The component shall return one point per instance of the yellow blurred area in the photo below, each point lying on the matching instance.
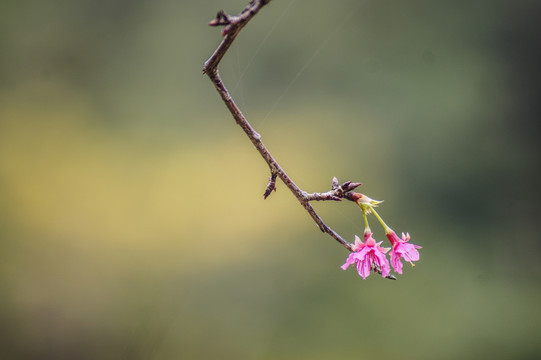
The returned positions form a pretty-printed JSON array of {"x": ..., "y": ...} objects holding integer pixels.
[
  {"x": 67, "y": 178},
  {"x": 73, "y": 187}
]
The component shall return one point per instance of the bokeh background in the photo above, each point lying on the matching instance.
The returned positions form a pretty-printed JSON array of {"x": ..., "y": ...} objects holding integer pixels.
[{"x": 132, "y": 222}]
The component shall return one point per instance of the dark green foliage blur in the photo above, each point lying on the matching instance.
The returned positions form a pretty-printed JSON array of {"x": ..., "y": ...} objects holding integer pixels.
[{"x": 132, "y": 221}]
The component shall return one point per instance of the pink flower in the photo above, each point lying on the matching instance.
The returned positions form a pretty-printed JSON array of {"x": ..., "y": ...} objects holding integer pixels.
[
  {"x": 402, "y": 249},
  {"x": 367, "y": 255}
]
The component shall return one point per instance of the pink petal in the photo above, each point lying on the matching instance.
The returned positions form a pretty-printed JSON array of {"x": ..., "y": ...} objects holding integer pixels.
[
  {"x": 350, "y": 260},
  {"x": 382, "y": 262},
  {"x": 362, "y": 253},
  {"x": 395, "y": 262},
  {"x": 408, "y": 252},
  {"x": 364, "y": 267}
]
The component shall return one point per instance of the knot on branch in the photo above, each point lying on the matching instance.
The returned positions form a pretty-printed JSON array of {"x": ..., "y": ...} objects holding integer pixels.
[
  {"x": 222, "y": 19},
  {"x": 237, "y": 22}
]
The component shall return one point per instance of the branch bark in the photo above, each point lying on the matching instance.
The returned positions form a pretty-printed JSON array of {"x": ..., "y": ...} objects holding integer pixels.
[{"x": 232, "y": 26}]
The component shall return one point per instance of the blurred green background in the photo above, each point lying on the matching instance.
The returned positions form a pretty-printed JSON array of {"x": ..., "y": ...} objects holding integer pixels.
[{"x": 132, "y": 222}]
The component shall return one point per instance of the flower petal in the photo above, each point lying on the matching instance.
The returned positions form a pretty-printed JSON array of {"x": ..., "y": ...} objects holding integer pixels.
[
  {"x": 395, "y": 262},
  {"x": 350, "y": 260}
]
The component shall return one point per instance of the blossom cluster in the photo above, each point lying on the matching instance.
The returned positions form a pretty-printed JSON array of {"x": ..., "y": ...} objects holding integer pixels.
[{"x": 370, "y": 255}]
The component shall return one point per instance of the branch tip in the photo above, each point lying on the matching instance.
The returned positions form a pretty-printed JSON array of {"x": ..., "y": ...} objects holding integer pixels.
[
  {"x": 221, "y": 19},
  {"x": 349, "y": 186},
  {"x": 334, "y": 183}
]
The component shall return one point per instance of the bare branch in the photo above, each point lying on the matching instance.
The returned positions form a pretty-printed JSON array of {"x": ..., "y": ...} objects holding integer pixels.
[{"x": 232, "y": 26}]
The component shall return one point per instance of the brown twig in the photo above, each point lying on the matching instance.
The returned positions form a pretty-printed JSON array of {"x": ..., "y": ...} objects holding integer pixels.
[{"x": 232, "y": 26}]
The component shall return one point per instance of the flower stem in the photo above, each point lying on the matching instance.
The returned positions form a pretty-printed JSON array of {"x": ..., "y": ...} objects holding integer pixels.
[
  {"x": 366, "y": 226},
  {"x": 387, "y": 228}
]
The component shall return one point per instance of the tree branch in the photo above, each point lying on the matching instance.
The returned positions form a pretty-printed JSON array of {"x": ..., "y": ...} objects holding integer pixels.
[{"x": 232, "y": 26}]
